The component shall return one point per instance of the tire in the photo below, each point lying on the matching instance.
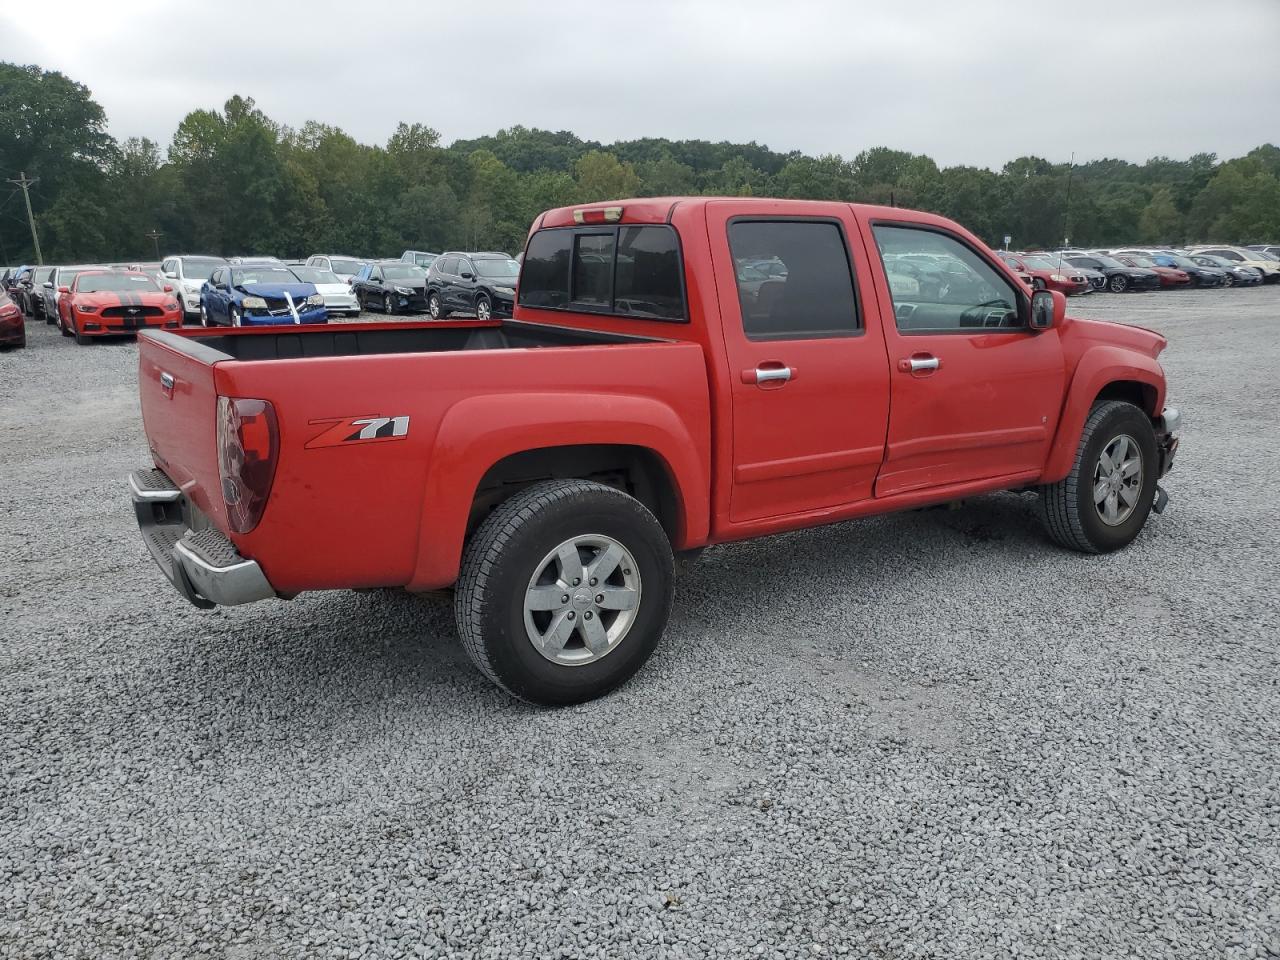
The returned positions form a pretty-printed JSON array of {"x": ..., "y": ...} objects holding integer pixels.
[
  {"x": 1229, "y": 281},
  {"x": 484, "y": 309},
  {"x": 387, "y": 306},
  {"x": 1069, "y": 509},
  {"x": 82, "y": 340},
  {"x": 233, "y": 315},
  {"x": 47, "y": 319},
  {"x": 433, "y": 306},
  {"x": 517, "y": 545},
  {"x": 62, "y": 327},
  {"x": 1118, "y": 284}
]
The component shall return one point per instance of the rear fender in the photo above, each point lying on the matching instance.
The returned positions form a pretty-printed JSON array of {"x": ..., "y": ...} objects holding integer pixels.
[
  {"x": 478, "y": 432},
  {"x": 1098, "y": 368}
]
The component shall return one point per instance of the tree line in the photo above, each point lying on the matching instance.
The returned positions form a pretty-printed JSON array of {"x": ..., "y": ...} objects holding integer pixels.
[{"x": 233, "y": 181}]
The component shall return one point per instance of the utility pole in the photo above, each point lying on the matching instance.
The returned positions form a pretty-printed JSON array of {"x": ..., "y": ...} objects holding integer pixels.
[
  {"x": 155, "y": 236},
  {"x": 25, "y": 184}
]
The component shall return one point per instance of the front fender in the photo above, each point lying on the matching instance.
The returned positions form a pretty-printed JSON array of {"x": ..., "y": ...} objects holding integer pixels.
[
  {"x": 477, "y": 432},
  {"x": 1098, "y": 367}
]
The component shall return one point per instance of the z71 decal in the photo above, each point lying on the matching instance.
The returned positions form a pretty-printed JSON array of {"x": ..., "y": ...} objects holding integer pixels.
[{"x": 359, "y": 430}]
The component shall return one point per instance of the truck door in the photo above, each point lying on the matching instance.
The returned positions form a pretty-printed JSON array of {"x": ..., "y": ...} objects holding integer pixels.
[
  {"x": 808, "y": 377},
  {"x": 976, "y": 394}
]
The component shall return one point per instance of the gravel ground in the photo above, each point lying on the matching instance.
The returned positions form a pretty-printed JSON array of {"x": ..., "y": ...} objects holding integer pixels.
[{"x": 926, "y": 735}]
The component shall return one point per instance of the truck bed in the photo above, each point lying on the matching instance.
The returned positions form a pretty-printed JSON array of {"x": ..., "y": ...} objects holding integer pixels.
[{"x": 351, "y": 340}]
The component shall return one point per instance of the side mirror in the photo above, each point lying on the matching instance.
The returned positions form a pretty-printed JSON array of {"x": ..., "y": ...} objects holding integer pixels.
[
  {"x": 1048, "y": 309},
  {"x": 170, "y": 275},
  {"x": 60, "y": 289},
  {"x": 48, "y": 284},
  {"x": 467, "y": 276},
  {"x": 168, "y": 288}
]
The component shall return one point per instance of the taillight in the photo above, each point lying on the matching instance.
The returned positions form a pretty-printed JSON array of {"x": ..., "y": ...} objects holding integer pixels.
[{"x": 248, "y": 445}]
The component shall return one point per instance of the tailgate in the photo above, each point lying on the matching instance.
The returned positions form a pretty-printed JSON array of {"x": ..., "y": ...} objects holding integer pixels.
[{"x": 179, "y": 414}]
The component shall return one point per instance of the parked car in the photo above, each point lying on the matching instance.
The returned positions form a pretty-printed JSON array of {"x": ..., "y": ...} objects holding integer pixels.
[
  {"x": 1046, "y": 275},
  {"x": 188, "y": 274},
  {"x": 660, "y": 412},
  {"x": 1269, "y": 268},
  {"x": 1201, "y": 276},
  {"x": 61, "y": 277},
  {"x": 391, "y": 286},
  {"x": 1120, "y": 277},
  {"x": 1237, "y": 274},
  {"x": 336, "y": 291},
  {"x": 481, "y": 284},
  {"x": 345, "y": 267},
  {"x": 18, "y": 283},
  {"x": 13, "y": 323},
  {"x": 1271, "y": 250},
  {"x": 259, "y": 293},
  {"x": 1169, "y": 276},
  {"x": 112, "y": 303},
  {"x": 32, "y": 302},
  {"x": 422, "y": 258}
]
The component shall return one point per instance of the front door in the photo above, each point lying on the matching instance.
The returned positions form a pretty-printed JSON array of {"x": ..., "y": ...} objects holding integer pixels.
[
  {"x": 807, "y": 371},
  {"x": 976, "y": 394}
]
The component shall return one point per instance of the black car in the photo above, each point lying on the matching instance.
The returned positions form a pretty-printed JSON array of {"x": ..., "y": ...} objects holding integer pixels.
[
  {"x": 482, "y": 284},
  {"x": 1201, "y": 276},
  {"x": 391, "y": 287},
  {"x": 1119, "y": 277},
  {"x": 33, "y": 298}
]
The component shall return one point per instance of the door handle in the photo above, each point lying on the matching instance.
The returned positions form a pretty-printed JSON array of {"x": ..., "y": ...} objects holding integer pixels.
[
  {"x": 166, "y": 382},
  {"x": 918, "y": 364},
  {"x": 778, "y": 374}
]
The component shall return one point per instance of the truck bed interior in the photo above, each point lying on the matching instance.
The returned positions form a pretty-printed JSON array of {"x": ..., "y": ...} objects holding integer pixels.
[{"x": 351, "y": 340}]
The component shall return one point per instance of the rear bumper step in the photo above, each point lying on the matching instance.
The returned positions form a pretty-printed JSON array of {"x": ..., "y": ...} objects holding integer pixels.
[{"x": 203, "y": 565}]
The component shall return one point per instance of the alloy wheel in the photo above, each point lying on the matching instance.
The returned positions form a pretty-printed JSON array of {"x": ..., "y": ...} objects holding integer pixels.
[
  {"x": 582, "y": 600},
  {"x": 483, "y": 312},
  {"x": 1117, "y": 480}
]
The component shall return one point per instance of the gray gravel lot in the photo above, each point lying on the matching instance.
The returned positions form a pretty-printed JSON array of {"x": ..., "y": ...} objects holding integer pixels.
[{"x": 926, "y": 735}]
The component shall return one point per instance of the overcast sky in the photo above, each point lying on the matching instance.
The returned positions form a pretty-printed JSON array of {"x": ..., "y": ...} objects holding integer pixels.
[{"x": 965, "y": 81}]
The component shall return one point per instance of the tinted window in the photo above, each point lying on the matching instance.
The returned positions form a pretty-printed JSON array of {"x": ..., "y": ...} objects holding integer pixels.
[
  {"x": 809, "y": 290},
  {"x": 464, "y": 266},
  {"x": 592, "y": 268},
  {"x": 449, "y": 265},
  {"x": 958, "y": 290},
  {"x": 647, "y": 281},
  {"x": 544, "y": 281}
]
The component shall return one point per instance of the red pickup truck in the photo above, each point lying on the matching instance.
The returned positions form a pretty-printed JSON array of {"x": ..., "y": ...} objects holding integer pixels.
[{"x": 679, "y": 372}]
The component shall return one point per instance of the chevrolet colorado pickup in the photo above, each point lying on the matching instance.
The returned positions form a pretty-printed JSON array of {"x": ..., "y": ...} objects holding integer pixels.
[{"x": 678, "y": 373}]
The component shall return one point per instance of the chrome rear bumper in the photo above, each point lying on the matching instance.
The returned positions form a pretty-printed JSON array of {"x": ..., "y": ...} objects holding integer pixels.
[{"x": 202, "y": 565}]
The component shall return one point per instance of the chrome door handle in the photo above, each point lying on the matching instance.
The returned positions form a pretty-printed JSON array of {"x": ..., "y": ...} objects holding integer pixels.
[
  {"x": 916, "y": 364},
  {"x": 766, "y": 374},
  {"x": 166, "y": 382}
]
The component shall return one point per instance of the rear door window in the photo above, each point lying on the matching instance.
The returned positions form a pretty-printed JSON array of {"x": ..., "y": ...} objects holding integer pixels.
[
  {"x": 593, "y": 269},
  {"x": 795, "y": 281}
]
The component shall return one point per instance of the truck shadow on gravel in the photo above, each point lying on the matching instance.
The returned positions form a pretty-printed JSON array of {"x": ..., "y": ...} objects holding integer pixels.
[{"x": 362, "y": 646}]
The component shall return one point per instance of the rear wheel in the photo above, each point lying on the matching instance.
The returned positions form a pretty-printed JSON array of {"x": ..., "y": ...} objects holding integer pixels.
[
  {"x": 1119, "y": 283},
  {"x": 1102, "y": 504},
  {"x": 564, "y": 592}
]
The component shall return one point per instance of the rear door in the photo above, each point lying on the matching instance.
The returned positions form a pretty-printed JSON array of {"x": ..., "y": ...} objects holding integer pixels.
[
  {"x": 809, "y": 380},
  {"x": 976, "y": 394}
]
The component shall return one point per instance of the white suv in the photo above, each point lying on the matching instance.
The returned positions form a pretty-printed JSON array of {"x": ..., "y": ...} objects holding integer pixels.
[
  {"x": 189, "y": 274},
  {"x": 344, "y": 266}
]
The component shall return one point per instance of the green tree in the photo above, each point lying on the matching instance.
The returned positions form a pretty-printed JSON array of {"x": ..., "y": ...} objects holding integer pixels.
[{"x": 601, "y": 176}]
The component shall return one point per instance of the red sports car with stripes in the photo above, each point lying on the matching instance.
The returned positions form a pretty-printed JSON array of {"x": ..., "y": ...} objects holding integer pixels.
[{"x": 112, "y": 303}]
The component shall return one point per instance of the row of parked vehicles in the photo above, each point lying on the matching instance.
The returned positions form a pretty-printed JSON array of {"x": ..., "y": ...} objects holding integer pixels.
[
  {"x": 1118, "y": 270},
  {"x": 252, "y": 291}
]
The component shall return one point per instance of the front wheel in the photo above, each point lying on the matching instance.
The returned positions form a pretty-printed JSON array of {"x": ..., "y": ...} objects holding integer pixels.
[
  {"x": 45, "y": 313},
  {"x": 483, "y": 310},
  {"x": 1228, "y": 281},
  {"x": 233, "y": 315},
  {"x": 564, "y": 591},
  {"x": 388, "y": 306},
  {"x": 1104, "y": 501},
  {"x": 433, "y": 306},
  {"x": 1119, "y": 283},
  {"x": 204, "y": 315}
]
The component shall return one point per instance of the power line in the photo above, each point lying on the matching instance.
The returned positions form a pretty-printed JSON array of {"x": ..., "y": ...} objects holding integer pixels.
[{"x": 25, "y": 185}]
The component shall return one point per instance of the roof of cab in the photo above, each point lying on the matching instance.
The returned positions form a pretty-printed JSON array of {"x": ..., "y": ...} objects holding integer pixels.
[{"x": 661, "y": 209}]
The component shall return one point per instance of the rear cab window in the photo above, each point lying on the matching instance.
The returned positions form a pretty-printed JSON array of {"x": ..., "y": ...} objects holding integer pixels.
[{"x": 625, "y": 270}]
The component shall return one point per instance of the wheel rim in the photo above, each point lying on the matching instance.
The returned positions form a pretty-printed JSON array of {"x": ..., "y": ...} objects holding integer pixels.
[
  {"x": 204, "y": 316},
  {"x": 235, "y": 317},
  {"x": 1117, "y": 480},
  {"x": 582, "y": 600},
  {"x": 1117, "y": 284},
  {"x": 386, "y": 303},
  {"x": 482, "y": 309},
  {"x": 433, "y": 305}
]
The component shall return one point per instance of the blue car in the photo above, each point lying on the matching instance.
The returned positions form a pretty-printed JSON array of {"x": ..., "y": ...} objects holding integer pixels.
[{"x": 255, "y": 294}]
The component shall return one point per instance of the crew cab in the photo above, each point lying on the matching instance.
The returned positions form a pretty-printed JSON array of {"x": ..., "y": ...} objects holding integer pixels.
[{"x": 643, "y": 403}]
